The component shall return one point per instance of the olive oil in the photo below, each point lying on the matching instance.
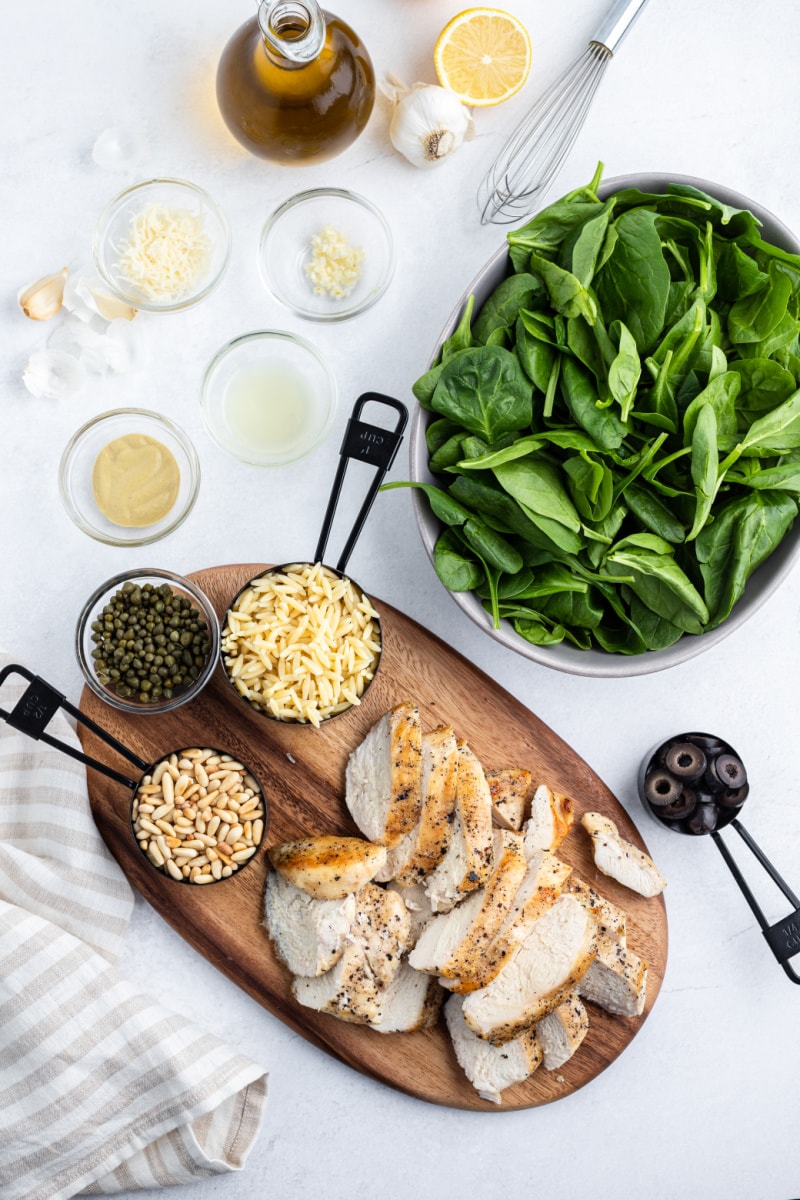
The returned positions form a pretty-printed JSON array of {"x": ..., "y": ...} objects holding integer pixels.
[{"x": 295, "y": 84}]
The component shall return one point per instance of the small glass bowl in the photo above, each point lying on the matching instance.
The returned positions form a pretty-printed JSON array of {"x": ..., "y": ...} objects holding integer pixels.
[
  {"x": 285, "y": 250},
  {"x": 268, "y": 398},
  {"x": 92, "y": 610},
  {"x": 114, "y": 227},
  {"x": 77, "y": 465}
]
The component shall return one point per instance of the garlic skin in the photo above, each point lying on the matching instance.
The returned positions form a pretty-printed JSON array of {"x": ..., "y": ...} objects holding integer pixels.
[
  {"x": 42, "y": 300},
  {"x": 428, "y": 122},
  {"x": 53, "y": 374}
]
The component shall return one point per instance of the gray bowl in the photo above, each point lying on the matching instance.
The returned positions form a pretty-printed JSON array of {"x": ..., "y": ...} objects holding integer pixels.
[{"x": 565, "y": 657}]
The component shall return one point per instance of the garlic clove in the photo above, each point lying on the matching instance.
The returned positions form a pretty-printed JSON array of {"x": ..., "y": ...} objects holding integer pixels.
[
  {"x": 86, "y": 297},
  {"x": 111, "y": 308},
  {"x": 41, "y": 300},
  {"x": 53, "y": 374}
]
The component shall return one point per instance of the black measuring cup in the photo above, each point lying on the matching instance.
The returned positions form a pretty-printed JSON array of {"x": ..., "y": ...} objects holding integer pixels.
[
  {"x": 696, "y": 784},
  {"x": 33, "y": 712},
  {"x": 377, "y": 447}
]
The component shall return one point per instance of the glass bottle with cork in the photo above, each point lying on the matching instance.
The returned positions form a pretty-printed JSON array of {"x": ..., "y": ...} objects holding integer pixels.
[{"x": 295, "y": 84}]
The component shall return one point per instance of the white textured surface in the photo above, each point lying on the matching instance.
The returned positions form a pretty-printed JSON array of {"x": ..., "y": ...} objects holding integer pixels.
[{"x": 703, "y": 1102}]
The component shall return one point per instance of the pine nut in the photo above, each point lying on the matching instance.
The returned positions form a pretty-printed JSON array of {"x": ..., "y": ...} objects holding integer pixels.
[{"x": 198, "y": 817}]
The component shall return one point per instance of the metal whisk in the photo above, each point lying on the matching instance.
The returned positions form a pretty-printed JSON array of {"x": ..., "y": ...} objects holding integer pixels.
[{"x": 534, "y": 153}]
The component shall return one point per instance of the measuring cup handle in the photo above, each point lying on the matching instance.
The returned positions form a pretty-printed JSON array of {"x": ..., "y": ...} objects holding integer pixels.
[
  {"x": 783, "y": 937},
  {"x": 372, "y": 444},
  {"x": 39, "y": 703}
]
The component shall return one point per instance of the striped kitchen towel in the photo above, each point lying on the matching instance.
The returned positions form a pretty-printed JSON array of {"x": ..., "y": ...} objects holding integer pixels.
[{"x": 102, "y": 1088}]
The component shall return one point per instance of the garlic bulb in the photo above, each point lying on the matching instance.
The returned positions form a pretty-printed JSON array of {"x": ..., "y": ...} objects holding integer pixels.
[
  {"x": 428, "y": 121},
  {"x": 42, "y": 299}
]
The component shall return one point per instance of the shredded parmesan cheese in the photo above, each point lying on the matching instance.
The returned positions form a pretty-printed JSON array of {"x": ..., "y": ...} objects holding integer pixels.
[
  {"x": 301, "y": 644},
  {"x": 334, "y": 268},
  {"x": 167, "y": 252}
]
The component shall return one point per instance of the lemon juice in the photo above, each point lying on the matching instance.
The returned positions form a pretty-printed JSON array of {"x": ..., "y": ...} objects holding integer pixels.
[{"x": 270, "y": 408}]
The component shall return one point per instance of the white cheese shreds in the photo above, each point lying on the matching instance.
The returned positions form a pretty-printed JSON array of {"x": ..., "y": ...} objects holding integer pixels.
[
  {"x": 334, "y": 268},
  {"x": 167, "y": 253},
  {"x": 301, "y": 644}
]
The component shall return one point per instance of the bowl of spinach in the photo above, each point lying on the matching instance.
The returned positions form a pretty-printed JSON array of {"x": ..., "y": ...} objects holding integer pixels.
[{"x": 606, "y": 454}]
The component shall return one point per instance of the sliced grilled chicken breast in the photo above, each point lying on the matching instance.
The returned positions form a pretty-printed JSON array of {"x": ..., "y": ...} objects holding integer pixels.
[
  {"x": 619, "y": 859},
  {"x": 453, "y": 944},
  {"x": 610, "y": 920},
  {"x": 328, "y": 867},
  {"x": 348, "y": 991},
  {"x": 411, "y": 1001},
  {"x": 419, "y": 852},
  {"x": 468, "y": 862},
  {"x": 550, "y": 821},
  {"x": 511, "y": 796},
  {"x": 353, "y": 989},
  {"x": 381, "y": 925},
  {"x": 491, "y": 1069},
  {"x": 309, "y": 935},
  {"x": 539, "y": 890},
  {"x": 616, "y": 980},
  {"x": 553, "y": 958},
  {"x": 418, "y": 906},
  {"x": 562, "y": 1031},
  {"x": 383, "y": 778}
]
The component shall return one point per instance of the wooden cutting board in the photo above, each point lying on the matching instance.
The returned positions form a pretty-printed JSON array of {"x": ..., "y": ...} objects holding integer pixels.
[{"x": 302, "y": 771}]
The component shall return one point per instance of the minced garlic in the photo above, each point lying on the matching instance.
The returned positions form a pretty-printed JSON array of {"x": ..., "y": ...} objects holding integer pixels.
[
  {"x": 167, "y": 252},
  {"x": 334, "y": 268}
]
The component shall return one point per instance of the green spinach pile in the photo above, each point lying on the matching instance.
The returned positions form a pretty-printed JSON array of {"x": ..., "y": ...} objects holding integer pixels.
[{"x": 617, "y": 431}]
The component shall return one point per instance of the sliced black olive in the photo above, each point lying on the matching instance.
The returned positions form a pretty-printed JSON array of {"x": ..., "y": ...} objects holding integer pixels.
[
  {"x": 661, "y": 788},
  {"x": 707, "y": 742},
  {"x": 703, "y": 819},
  {"x": 730, "y": 770},
  {"x": 734, "y": 797},
  {"x": 683, "y": 806},
  {"x": 686, "y": 761}
]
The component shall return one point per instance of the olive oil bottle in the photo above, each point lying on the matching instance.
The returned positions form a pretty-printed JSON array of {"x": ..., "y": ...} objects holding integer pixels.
[{"x": 295, "y": 84}]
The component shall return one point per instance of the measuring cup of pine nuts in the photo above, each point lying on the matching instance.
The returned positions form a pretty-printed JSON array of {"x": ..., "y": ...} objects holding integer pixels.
[
  {"x": 302, "y": 642},
  {"x": 198, "y": 815}
]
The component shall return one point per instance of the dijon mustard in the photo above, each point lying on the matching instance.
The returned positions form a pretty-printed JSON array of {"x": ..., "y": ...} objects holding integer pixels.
[{"x": 135, "y": 480}]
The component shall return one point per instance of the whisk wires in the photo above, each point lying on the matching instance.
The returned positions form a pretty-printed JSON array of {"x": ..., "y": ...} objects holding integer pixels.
[{"x": 536, "y": 149}]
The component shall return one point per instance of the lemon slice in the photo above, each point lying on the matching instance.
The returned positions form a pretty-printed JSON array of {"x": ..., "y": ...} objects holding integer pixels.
[{"x": 483, "y": 55}]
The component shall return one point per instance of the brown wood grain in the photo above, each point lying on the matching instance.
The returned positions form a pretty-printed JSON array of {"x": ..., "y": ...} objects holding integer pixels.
[{"x": 302, "y": 772}]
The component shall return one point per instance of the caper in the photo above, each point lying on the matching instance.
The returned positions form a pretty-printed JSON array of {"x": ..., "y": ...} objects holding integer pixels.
[{"x": 134, "y": 634}]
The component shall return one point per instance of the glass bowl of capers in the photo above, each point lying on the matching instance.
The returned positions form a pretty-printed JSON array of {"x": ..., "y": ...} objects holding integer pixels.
[{"x": 147, "y": 641}]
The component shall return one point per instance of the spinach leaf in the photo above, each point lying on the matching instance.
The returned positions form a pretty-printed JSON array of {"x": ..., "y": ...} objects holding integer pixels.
[
  {"x": 457, "y": 570},
  {"x": 777, "y": 432},
  {"x": 503, "y": 306},
  {"x": 537, "y": 485},
  {"x": 567, "y": 294},
  {"x": 633, "y": 286},
  {"x": 705, "y": 467},
  {"x": 625, "y": 370},
  {"x": 741, "y": 537},
  {"x": 591, "y": 486},
  {"x": 534, "y": 353},
  {"x": 753, "y": 317},
  {"x": 764, "y": 385},
  {"x": 486, "y": 390},
  {"x": 658, "y": 581},
  {"x": 580, "y": 397},
  {"x": 461, "y": 338}
]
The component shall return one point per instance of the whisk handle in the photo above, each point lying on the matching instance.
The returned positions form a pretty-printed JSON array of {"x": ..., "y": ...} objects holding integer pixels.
[{"x": 617, "y": 22}]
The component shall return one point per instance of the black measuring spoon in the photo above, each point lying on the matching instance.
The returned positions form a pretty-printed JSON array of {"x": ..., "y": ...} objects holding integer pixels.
[
  {"x": 37, "y": 706},
  {"x": 696, "y": 784},
  {"x": 365, "y": 442}
]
